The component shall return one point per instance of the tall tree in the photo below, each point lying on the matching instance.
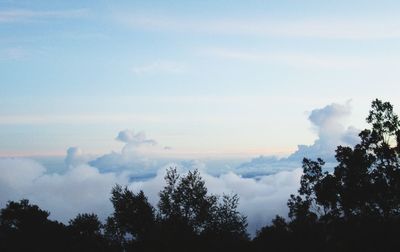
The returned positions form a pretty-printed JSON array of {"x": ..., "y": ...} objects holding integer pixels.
[
  {"x": 133, "y": 217},
  {"x": 184, "y": 200}
]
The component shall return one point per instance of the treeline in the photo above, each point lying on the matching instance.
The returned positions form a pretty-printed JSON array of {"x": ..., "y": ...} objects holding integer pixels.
[
  {"x": 187, "y": 218},
  {"x": 355, "y": 208}
]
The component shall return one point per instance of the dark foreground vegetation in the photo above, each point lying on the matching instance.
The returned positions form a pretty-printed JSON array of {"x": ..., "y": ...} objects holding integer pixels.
[{"x": 355, "y": 208}]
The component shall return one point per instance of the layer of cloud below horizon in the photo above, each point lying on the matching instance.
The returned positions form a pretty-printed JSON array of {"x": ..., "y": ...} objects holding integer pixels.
[{"x": 263, "y": 184}]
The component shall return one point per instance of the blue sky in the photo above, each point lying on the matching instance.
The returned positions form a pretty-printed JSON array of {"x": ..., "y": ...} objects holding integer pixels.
[{"x": 207, "y": 78}]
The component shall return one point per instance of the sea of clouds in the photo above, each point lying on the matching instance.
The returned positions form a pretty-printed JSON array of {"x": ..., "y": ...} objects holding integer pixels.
[{"x": 84, "y": 184}]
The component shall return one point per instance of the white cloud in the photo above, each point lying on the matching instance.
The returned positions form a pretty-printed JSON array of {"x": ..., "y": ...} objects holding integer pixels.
[
  {"x": 322, "y": 28},
  {"x": 128, "y": 136},
  {"x": 302, "y": 59},
  {"x": 23, "y": 15},
  {"x": 327, "y": 120},
  {"x": 260, "y": 199},
  {"x": 159, "y": 67},
  {"x": 137, "y": 155},
  {"x": 75, "y": 156},
  {"x": 79, "y": 189},
  {"x": 327, "y": 123}
]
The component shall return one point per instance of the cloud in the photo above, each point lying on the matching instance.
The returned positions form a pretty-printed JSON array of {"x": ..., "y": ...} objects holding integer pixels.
[
  {"x": 14, "y": 53},
  {"x": 327, "y": 117},
  {"x": 23, "y": 15},
  {"x": 75, "y": 157},
  {"x": 320, "y": 28},
  {"x": 128, "y": 136},
  {"x": 260, "y": 199},
  {"x": 79, "y": 189},
  {"x": 327, "y": 123},
  {"x": 299, "y": 59},
  {"x": 136, "y": 155},
  {"x": 159, "y": 67},
  {"x": 263, "y": 184},
  {"x": 331, "y": 132},
  {"x": 83, "y": 188}
]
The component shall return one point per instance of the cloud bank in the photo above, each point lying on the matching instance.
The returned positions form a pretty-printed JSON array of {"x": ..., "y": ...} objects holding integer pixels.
[
  {"x": 84, "y": 188},
  {"x": 263, "y": 184}
]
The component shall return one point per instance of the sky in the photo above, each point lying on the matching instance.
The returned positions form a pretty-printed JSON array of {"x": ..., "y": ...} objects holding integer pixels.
[
  {"x": 94, "y": 93},
  {"x": 207, "y": 78}
]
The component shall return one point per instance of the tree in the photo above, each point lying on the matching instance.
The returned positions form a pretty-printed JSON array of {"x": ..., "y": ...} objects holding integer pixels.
[
  {"x": 227, "y": 222},
  {"x": 87, "y": 233},
  {"x": 87, "y": 225},
  {"x": 184, "y": 201},
  {"x": 275, "y": 237},
  {"x": 133, "y": 218},
  {"x": 366, "y": 180},
  {"x": 24, "y": 226}
]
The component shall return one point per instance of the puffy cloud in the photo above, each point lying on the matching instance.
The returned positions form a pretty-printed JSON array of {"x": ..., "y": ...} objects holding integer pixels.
[
  {"x": 327, "y": 123},
  {"x": 128, "y": 136},
  {"x": 80, "y": 189},
  {"x": 136, "y": 156},
  {"x": 75, "y": 156},
  {"x": 350, "y": 136},
  {"x": 260, "y": 199},
  {"x": 15, "y": 175}
]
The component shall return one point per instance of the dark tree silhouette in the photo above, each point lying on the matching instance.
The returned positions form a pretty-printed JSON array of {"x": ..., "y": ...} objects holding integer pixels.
[
  {"x": 357, "y": 207},
  {"x": 87, "y": 225},
  {"x": 24, "y": 227},
  {"x": 226, "y": 222},
  {"x": 184, "y": 200},
  {"x": 86, "y": 229},
  {"x": 133, "y": 219},
  {"x": 189, "y": 215}
]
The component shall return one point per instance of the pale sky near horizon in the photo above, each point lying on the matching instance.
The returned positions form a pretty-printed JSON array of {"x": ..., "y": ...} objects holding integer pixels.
[{"x": 208, "y": 78}]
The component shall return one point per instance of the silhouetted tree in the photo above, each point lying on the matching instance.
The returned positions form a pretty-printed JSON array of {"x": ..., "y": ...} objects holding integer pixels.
[
  {"x": 355, "y": 208},
  {"x": 25, "y": 227},
  {"x": 86, "y": 230},
  {"x": 133, "y": 219},
  {"x": 226, "y": 221},
  {"x": 87, "y": 225},
  {"x": 189, "y": 215},
  {"x": 184, "y": 201},
  {"x": 275, "y": 237}
]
